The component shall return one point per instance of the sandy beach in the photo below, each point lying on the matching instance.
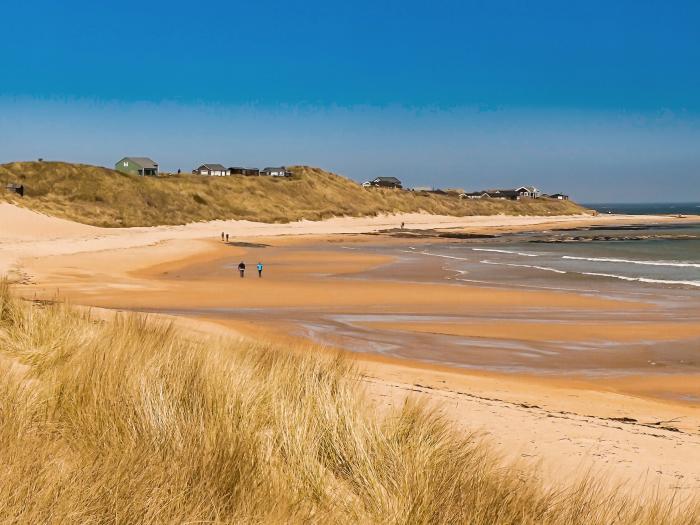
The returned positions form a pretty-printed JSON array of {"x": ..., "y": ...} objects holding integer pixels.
[{"x": 327, "y": 282}]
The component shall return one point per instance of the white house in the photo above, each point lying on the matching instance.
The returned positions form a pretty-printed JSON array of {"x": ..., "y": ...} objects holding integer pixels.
[
  {"x": 212, "y": 170},
  {"x": 528, "y": 192},
  {"x": 275, "y": 172}
]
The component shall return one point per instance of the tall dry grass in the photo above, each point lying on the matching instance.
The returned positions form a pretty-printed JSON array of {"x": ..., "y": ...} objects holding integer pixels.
[
  {"x": 104, "y": 197},
  {"x": 128, "y": 422}
]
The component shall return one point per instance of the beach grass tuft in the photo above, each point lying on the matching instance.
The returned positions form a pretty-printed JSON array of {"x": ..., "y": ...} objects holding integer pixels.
[{"x": 127, "y": 420}]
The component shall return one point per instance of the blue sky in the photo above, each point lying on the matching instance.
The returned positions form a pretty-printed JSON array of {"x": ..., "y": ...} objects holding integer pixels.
[{"x": 599, "y": 99}]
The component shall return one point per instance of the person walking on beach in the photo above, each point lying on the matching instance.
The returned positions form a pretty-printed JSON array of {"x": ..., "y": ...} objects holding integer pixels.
[
  {"x": 227, "y": 237},
  {"x": 241, "y": 269},
  {"x": 402, "y": 225},
  {"x": 222, "y": 236},
  {"x": 260, "y": 269}
]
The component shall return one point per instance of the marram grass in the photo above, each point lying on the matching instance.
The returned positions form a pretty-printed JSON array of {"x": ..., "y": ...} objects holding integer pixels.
[
  {"x": 128, "y": 421},
  {"x": 104, "y": 197}
]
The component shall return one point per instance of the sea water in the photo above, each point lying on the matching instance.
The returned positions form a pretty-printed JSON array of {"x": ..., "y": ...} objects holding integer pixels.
[
  {"x": 674, "y": 208},
  {"x": 629, "y": 258}
]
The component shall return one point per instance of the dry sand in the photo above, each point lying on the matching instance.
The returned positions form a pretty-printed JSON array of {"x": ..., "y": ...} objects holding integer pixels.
[{"x": 567, "y": 425}]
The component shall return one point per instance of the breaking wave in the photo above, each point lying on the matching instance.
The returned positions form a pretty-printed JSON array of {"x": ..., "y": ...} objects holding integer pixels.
[
  {"x": 643, "y": 279},
  {"x": 677, "y": 264},
  {"x": 524, "y": 254},
  {"x": 545, "y": 268}
]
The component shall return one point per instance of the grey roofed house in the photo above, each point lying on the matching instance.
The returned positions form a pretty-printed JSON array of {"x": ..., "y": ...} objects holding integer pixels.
[
  {"x": 559, "y": 196},
  {"x": 216, "y": 170},
  {"x": 504, "y": 194},
  {"x": 275, "y": 172},
  {"x": 215, "y": 167},
  {"x": 386, "y": 182},
  {"x": 137, "y": 166},
  {"x": 474, "y": 195},
  {"x": 528, "y": 191}
]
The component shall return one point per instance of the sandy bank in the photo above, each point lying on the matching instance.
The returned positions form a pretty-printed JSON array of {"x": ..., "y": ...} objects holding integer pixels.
[{"x": 25, "y": 233}]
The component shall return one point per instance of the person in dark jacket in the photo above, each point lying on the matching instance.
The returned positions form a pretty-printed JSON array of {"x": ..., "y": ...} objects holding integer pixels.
[{"x": 241, "y": 268}]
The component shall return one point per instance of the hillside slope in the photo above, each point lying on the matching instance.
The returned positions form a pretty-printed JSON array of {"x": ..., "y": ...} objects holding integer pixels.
[{"x": 104, "y": 197}]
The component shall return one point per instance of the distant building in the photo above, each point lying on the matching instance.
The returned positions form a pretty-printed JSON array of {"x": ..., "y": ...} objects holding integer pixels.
[
  {"x": 211, "y": 170},
  {"x": 474, "y": 195},
  {"x": 512, "y": 195},
  {"x": 559, "y": 196},
  {"x": 15, "y": 188},
  {"x": 415, "y": 188},
  {"x": 248, "y": 172},
  {"x": 523, "y": 192},
  {"x": 275, "y": 172},
  {"x": 528, "y": 192},
  {"x": 137, "y": 166},
  {"x": 384, "y": 182}
]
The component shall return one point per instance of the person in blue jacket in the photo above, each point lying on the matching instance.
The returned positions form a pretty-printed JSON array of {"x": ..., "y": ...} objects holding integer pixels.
[{"x": 260, "y": 269}]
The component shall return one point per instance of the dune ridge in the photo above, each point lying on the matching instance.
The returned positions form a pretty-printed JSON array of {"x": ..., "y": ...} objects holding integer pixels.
[{"x": 104, "y": 197}]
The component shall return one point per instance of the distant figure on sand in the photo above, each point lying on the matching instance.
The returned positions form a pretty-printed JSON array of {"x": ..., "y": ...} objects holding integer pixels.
[
  {"x": 222, "y": 236},
  {"x": 241, "y": 268},
  {"x": 260, "y": 269},
  {"x": 227, "y": 237},
  {"x": 402, "y": 225}
]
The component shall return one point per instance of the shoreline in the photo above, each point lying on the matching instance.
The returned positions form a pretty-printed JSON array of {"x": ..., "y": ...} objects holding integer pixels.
[
  {"x": 156, "y": 282},
  {"x": 558, "y": 420}
]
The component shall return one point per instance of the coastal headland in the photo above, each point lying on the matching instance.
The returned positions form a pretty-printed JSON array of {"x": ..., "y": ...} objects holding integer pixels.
[{"x": 333, "y": 282}]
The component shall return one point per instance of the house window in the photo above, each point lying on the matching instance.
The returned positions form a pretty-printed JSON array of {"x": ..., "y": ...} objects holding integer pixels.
[{"x": 126, "y": 163}]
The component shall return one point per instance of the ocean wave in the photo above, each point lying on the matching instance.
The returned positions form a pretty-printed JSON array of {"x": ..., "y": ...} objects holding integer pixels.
[
  {"x": 643, "y": 279},
  {"x": 678, "y": 264},
  {"x": 545, "y": 268},
  {"x": 524, "y": 254},
  {"x": 437, "y": 255}
]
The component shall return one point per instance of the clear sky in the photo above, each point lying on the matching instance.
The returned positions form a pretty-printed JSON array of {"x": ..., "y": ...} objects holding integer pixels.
[{"x": 599, "y": 99}]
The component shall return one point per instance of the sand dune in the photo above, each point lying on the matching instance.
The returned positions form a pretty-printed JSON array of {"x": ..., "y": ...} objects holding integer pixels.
[{"x": 22, "y": 224}]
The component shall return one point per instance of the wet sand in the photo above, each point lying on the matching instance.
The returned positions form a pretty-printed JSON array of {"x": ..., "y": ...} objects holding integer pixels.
[
  {"x": 539, "y": 331},
  {"x": 344, "y": 296}
]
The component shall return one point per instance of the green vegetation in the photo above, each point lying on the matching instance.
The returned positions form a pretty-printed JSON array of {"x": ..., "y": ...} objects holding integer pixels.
[
  {"x": 104, "y": 197},
  {"x": 127, "y": 421}
]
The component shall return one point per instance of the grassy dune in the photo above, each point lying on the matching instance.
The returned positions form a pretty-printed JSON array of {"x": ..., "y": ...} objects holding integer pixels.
[
  {"x": 103, "y": 197},
  {"x": 127, "y": 421}
]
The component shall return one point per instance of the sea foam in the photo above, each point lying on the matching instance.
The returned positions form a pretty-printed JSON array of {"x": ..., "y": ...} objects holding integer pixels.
[
  {"x": 678, "y": 264},
  {"x": 643, "y": 279},
  {"x": 545, "y": 268},
  {"x": 524, "y": 254}
]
